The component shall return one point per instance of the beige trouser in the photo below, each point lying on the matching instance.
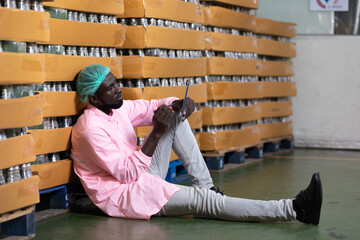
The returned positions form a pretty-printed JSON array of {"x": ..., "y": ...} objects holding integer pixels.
[{"x": 199, "y": 200}]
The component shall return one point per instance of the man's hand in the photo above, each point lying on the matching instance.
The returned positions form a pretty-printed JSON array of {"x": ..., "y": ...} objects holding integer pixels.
[
  {"x": 161, "y": 119},
  {"x": 189, "y": 108}
]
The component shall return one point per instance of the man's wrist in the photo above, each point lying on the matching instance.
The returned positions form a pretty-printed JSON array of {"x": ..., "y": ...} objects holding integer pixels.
[{"x": 157, "y": 134}]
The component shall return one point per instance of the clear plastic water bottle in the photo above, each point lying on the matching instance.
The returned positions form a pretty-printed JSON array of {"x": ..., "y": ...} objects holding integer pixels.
[
  {"x": 112, "y": 52},
  {"x": 76, "y": 16},
  {"x": 2, "y": 178},
  {"x": 23, "y": 171},
  {"x": 173, "y": 82},
  {"x": 17, "y": 173},
  {"x": 180, "y": 81},
  {"x": 35, "y": 5},
  {"x": 67, "y": 121},
  {"x": 104, "y": 52},
  {"x": 54, "y": 123},
  {"x": 53, "y": 87},
  {"x": 32, "y": 48},
  {"x": 7, "y": 92},
  {"x": 82, "y": 17},
  {"x": 21, "y": 4},
  {"x": 10, "y": 175},
  {"x": 28, "y": 170},
  {"x": 52, "y": 158},
  {"x": 140, "y": 83},
  {"x": 164, "y": 82},
  {"x": 70, "y": 15},
  {"x": 58, "y": 87},
  {"x": 10, "y": 4},
  {"x": 97, "y": 52}
]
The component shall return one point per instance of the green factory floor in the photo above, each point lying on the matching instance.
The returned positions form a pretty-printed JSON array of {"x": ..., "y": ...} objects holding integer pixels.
[{"x": 274, "y": 178}]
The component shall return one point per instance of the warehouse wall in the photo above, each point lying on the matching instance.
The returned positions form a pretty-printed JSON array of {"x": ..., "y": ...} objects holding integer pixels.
[
  {"x": 327, "y": 108},
  {"x": 297, "y": 11}
]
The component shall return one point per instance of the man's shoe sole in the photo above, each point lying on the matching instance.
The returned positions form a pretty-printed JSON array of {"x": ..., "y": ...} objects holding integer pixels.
[{"x": 317, "y": 200}]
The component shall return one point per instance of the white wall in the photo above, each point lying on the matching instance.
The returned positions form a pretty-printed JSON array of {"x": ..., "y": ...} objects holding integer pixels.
[
  {"x": 297, "y": 11},
  {"x": 327, "y": 74},
  {"x": 327, "y": 108}
]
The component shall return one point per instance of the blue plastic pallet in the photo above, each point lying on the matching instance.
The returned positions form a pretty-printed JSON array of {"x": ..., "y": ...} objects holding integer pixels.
[
  {"x": 21, "y": 226},
  {"x": 176, "y": 172},
  {"x": 56, "y": 196}
]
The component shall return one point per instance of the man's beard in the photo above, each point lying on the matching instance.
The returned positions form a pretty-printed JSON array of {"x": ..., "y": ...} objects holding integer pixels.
[{"x": 112, "y": 106}]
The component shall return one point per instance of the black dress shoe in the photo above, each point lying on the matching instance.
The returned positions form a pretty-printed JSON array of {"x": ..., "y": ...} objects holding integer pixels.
[{"x": 307, "y": 204}]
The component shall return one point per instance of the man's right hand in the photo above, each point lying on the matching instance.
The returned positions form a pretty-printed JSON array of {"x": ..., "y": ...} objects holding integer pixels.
[
  {"x": 161, "y": 123},
  {"x": 161, "y": 119}
]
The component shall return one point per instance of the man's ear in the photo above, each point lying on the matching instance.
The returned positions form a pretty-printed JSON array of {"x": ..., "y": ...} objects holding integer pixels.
[{"x": 93, "y": 100}]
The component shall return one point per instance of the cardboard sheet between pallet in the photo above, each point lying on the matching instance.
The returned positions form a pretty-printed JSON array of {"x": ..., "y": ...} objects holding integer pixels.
[
  {"x": 65, "y": 68},
  {"x": 276, "y": 48},
  {"x": 195, "y": 121},
  {"x": 275, "y": 109},
  {"x": 279, "y": 89},
  {"x": 111, "y": 7},
  {"x": 225, "y": 139},
  {"x": 197, "y": 92},
  {"x": 139, "y": 37},
  {"x": 65, "y": 32},
  {"x": 229, "y": 115},
  {"x": 223, "y": 17},
  {"x": 19, "y": 194},
  {"x": 16, "y": 151},
  {"x": 54, "y": 174},
  {"x": 254, "y": 4},
  {"x": 59, "y": 104},
  {"x": 24, "y": 25},
  {"x": 174, "y": 10},
  {"x": 232, "y": 43},
  {"x": 51, "y": 140},
  {"x": 275, "y": 28},
  {"x": 233, "y": 66},
  {"x": 271, "y": 130},
  {"x": 21, "y": 68},
  {"x": 21, "y": 112},
  {"x": 234, "y": 90},
  {"x": 157, "y": 67},
  {"x": 275, "y": 68}
]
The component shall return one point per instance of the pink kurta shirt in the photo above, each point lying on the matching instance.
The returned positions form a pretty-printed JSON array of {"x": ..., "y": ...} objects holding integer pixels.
[{"x": 110, "y": 168}]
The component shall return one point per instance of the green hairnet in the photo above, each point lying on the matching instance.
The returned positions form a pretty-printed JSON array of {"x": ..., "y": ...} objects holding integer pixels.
[{"x": 89, "y": 80}]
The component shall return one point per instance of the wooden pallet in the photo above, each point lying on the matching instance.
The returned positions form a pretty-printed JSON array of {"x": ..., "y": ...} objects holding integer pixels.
[
  {"x": 244, "y": 155},
  {"x": 278, "y": 144},
  {"x": 229, "y": 166},
  {"x": 18, "y": 224}
]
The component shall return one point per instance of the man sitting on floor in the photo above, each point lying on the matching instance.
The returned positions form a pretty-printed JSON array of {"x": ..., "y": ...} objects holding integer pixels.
[{"x": 127, "y": 182}]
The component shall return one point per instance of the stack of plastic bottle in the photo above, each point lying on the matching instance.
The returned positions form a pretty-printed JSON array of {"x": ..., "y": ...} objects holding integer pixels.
[{"x": 232, "y": 58}]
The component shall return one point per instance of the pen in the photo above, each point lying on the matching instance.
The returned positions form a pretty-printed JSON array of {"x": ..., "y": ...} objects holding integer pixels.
[{"x": 184, "y": 104}]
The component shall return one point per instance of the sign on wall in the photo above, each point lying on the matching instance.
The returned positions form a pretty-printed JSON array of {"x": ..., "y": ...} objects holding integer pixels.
[{"x": 329, "y": 5}]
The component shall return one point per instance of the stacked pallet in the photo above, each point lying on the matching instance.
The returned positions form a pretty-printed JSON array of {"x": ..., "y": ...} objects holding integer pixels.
[
  {"x": 238, "y": 66},
  {"x": 79, "y": 36},
  {"x": 275, "y": 51},
  {"x": 71, "y": 45},
  {"x": 231, "y": 113},
  {"x": 162, "y": 51},
  {"x": 19, "y": 108}
]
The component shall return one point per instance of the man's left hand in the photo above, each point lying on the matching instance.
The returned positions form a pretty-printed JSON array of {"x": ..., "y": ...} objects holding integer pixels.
[{"x": 189, "y": 108}]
